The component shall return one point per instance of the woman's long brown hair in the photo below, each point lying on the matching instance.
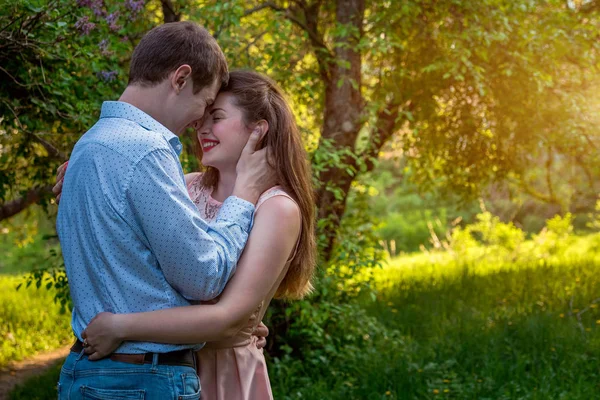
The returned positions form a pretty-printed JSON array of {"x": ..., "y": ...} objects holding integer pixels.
[{"x": 259, "y": 98}]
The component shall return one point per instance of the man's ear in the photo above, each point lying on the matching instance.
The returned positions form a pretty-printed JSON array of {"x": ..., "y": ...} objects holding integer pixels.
[{"x": 180, "y": 78}]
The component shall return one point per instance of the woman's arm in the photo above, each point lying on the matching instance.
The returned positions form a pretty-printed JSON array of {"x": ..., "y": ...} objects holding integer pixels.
[{"x": 272, "y": 240}]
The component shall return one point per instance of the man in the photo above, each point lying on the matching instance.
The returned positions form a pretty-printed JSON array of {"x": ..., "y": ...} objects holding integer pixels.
[{"x": 132, "y": 240}]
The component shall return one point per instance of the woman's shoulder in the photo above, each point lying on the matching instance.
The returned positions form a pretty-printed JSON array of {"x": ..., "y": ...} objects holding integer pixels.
[
  {"x": 275, "y": 191},
  {"x": 278, "y": 202}
]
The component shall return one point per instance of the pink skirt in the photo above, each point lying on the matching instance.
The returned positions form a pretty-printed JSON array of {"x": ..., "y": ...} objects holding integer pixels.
[{"x": 234, "y": 373}]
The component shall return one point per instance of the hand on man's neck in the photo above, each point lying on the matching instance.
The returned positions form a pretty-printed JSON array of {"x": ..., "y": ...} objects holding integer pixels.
[{"x": 151, "y": 100}]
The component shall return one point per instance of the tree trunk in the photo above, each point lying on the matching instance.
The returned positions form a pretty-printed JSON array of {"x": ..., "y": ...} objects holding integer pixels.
[
  {"x": 342, "y": 115},
  {"x": 169, "y": 14}
]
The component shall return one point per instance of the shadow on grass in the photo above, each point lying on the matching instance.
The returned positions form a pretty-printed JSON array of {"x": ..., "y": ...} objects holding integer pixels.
[{"x": 42, "y": 387}]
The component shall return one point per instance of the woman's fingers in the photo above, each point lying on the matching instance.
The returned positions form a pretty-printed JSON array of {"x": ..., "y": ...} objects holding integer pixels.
[{"x": 60, "y": 171}]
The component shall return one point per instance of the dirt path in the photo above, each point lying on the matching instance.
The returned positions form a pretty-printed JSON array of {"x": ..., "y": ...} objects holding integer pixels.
[{"x": 18, "y": 372}]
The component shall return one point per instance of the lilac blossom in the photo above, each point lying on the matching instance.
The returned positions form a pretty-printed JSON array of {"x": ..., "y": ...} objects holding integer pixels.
[
  {"x": 107, "y": 76},
  {"x": 97, "y": 6},
  {"x": 111, "y": 20},
  {"x": 84, "y": 25},
  {"x": 103, "y": 46},
  {"x": 135, "y": 6}
]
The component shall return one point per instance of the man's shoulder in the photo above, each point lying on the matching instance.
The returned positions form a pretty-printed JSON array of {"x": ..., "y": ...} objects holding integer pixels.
[{"x": 126, "y": 138}]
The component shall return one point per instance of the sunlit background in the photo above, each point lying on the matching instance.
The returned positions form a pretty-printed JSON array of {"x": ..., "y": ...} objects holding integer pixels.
[{"x": 455, "y": 148}]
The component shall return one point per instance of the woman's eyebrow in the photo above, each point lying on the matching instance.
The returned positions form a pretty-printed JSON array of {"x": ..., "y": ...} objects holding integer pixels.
[{"x": 215, "y": 110}]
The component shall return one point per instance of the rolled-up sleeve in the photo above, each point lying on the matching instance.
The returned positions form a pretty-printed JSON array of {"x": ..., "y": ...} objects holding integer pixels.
[{"x": 197, "y": 258}]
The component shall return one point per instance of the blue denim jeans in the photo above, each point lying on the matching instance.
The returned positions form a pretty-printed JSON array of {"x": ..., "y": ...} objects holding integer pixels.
[{"x": 113, "y": 380}]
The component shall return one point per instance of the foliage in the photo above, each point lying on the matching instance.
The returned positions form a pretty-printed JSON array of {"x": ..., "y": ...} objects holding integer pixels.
[
  {"x": 30, "y": 322},
  {"x": 443, "y": 327},
  {"x": 437, "y": 81},
  {"x": 490, "y": 232},
  {"x": 556, "y": 237},
  {"x": 24, "y": 239},
  {"x": 594, "y": 222},
  {"x": 59, "y": 60}
]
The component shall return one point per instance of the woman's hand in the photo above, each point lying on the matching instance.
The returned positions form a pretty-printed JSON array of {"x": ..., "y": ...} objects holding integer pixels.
[
  {"x": 103, "y": 335},
  {"x": 261, "y": 331},
  {"x": 60, "y": 177}
]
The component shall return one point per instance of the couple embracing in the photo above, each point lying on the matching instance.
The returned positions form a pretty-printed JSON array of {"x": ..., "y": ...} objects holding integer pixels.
[{"x": 160, "y": 262}]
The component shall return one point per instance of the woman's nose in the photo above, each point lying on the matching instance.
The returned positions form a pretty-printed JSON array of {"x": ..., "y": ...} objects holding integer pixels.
[{"x": 204, "y": 128}]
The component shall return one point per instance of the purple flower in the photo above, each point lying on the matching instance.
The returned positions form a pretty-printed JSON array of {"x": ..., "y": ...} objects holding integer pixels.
[
  {"x": 134, "y": 6},
  {"x": 111, "y": 20},
  {"x": 97, "y": 6},
  {"x": 107, "y": 76},
  {"x": 103, "y": 45},
  {"x": 84, "y": 25}
]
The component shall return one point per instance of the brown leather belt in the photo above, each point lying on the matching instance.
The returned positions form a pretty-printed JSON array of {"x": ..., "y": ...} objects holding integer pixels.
[{"x": 184, "y": 358}]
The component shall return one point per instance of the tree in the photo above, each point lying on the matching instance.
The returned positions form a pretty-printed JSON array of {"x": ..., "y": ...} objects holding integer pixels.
[{"x": 472, "y": 92}]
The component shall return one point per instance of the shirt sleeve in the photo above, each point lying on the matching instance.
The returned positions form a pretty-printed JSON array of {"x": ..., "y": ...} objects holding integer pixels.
[{"x": 196, "y": 258}]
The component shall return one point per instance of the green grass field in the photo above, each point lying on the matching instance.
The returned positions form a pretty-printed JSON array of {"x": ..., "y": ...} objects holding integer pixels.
[
  {"x": 30, "y": 322},
  {"x": 472, "y": 328},
  {"x": 442, "y": 327}
]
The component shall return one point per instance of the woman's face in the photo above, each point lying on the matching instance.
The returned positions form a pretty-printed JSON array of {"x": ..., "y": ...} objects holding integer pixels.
[{"x": 223, "y": 134}]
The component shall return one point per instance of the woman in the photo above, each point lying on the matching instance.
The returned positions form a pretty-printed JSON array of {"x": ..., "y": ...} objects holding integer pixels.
[{"x": 278, "y": 260}]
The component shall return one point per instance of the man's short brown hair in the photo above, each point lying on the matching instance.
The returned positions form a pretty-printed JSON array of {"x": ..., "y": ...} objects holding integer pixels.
[{"x": 169, "y": 46}]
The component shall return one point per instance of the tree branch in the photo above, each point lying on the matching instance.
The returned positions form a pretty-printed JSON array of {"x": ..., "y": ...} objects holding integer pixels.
[
  {"x": 590, "y": 7},
  {"x": 169, "y": 14},
  {"x": 53, "y": 152},
  {"x": 14, "y": 207}
]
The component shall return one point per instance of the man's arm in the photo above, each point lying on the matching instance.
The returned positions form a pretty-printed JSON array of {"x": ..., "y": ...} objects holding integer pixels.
[
  {"x": 269, "y": 247},
  {"x": 197, "y": 259}
]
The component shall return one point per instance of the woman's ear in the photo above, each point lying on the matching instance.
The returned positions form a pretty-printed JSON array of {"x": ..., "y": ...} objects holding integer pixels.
[{"x": 263, "y": 127}]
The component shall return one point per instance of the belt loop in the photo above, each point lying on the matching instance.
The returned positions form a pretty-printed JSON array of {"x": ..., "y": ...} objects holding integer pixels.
[
  {"x": 154, "y": 361},
  {"x": 81, "y": 354}
]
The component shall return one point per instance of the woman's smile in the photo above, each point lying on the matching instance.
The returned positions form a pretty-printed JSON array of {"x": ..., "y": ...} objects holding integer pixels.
[{"x": 208, "y": 144}]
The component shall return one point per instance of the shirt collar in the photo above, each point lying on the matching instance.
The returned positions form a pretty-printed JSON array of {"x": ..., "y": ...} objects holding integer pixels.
[{"x": 120, "y": 109}]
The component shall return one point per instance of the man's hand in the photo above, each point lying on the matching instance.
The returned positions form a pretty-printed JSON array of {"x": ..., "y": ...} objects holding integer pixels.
[
  {"x": 254, "y": 174},
  {"x": 261, "y": 332},
  {"x": 60, "y": 177}
]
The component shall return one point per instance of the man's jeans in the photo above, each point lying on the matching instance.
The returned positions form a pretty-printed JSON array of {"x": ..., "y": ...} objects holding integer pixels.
[{"x": 112, "y": 380}]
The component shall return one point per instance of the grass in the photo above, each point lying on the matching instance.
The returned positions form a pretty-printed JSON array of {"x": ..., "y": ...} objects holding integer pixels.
[
  {"x": 30, "y": 322},
  {"x": 474, "y": 327},
  {"x": 447, "y": 327},
  {"x": 41, "y": 387}
]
